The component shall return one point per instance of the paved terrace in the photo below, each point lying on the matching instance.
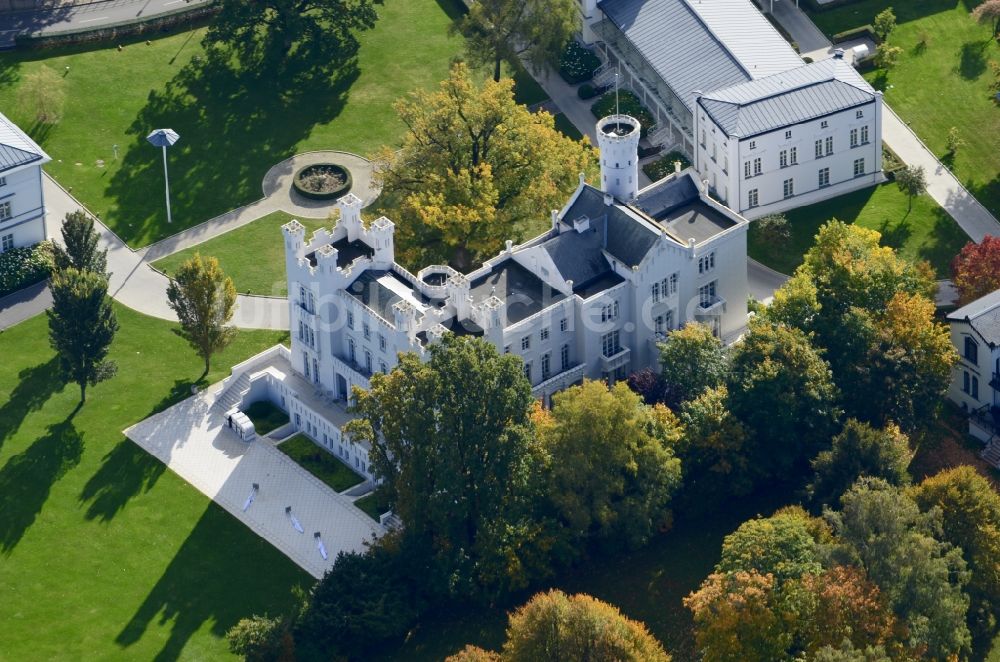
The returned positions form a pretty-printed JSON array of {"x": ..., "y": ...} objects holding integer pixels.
[{"x": 192, "y": 439}]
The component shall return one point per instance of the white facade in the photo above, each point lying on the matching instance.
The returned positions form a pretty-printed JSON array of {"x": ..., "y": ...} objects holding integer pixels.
[
  {"x": 618, "y": 141},
  {"x": 587, "y": 299},
  {"x": 975, "y": 383},
  {"x": 22, "y": 206}
]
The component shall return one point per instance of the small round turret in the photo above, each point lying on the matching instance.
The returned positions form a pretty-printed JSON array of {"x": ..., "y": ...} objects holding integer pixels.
[{"x": 618, "y": 140}]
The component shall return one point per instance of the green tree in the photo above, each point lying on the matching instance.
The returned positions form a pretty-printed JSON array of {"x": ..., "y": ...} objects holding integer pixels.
[
  {"x": 203, "y": 298},
  {"x": 258, "y": 639},
  {"x": 773, "y": 229},
  {"x": 692, "y": 360},
  {"x": 970, "y": 516},
  {"x": 782, "y": 546},
  {"x": 537, "y": 30},
  {"x": 474, "y": 167},
  {"x": 42, "y": 93},
  {"x": 954, "y": 141},
  {"x": 782, "y": 391},
  {"x": 555, "y": 626},
  {"x": 265, "y": 32},
  {"x": 82, "y": 326},
  {"x": 912, "y": 181},
  {"x": 886, "y": 56},
  {"x": 612, "y": 468},
  {"x": 885, "y": 23},
  {"x": 859, "y": 450},
  {"x": 883, "y": 532},
  {"x": 452, "y": 442},
  {"x": 80, "y": 249}
]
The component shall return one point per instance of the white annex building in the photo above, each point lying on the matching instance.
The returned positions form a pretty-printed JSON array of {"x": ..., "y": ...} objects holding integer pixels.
[
  {"x": 975, "y": 383},
  {"x": 768, "y": 131},
  {"x": 590, "y": 298},
  {"x": 22, "y": 207}
]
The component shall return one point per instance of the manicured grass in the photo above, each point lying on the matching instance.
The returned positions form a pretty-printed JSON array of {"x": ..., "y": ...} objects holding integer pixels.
[
  {"x": 940, "y": 85},
  {"x": 568, "y": 129},
  {"x": 925, "y": 233},
  {"x": 253, "y": 255},
  {"x": 104, "y": 554},
  {"x": 266, "y": 416},
  {"x": 234, "y": 124},
  {"x": 319, "y": 463},
  {"x": 373, "y": 505}
]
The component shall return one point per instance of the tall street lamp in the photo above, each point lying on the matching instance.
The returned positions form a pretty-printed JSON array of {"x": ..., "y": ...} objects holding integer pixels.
[{"x": 164, "y": 138}]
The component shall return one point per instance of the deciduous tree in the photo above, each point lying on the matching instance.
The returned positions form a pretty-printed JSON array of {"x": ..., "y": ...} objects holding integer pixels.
[
  {"x": 498, "y": 30},
  {"x": 612, "y": 465},
  {"x": 82, "y": 325},
  {"x": 473, "y": 168},
  {"x": 887, "y": 56},
  {"x": 989, "y": 12},
  {"x": 692, "y": 360},
  {"x": 773, "y": 229},
  {"x": 782, "y": 546},
  {"x": 885, "y": 23},
  {"x": 80, "y": 246},
  {"x": 859, "y": 450},
  {"x": 453, "y": 443},
  {"x": 912, "y": 181},
  {"x": 976, "y": 269},
  {"x": 203, "y": 298}
]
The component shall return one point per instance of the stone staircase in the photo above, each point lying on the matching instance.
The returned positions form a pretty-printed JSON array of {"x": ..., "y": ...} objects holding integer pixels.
[
  {"x": 604, "y": 76},
  {"x": 660, "y": 135},
  {"x": 992, "y": 452},
  {"x": 233, "y": 394}
]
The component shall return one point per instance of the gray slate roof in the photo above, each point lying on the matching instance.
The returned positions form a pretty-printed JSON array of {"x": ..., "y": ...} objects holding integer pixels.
[
  {"x": 983, "y": 315},
  {"x": 702, "y": 44},
  {"x": 579, "y": 256},
  {"x": 801, "y": 94},
  {"x": 16, "y": 148}
]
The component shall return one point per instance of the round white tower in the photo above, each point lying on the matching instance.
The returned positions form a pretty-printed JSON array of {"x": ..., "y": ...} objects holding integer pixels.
[{"x": 618, "y": 140}]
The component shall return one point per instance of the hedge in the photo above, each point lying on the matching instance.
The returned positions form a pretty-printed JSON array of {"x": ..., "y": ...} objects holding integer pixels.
[
  {"x": 814, "y": 6},
  {"x": 577, "y": 63},
  {"x": 664, "y": 166},
  {"x": 861, "y": 32},
  {"x": 628, "y": 104},
  {"x": 21, "y": 267},
  {"x": 588, "y": 91}
]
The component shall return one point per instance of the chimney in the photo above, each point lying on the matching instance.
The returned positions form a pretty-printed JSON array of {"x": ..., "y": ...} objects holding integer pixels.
[
  {"x": 582, "y": 224},
  {"x": 677, "y": 167},
  {"x": 608, "y": 199},
  {"x": 838, "y": 54}
]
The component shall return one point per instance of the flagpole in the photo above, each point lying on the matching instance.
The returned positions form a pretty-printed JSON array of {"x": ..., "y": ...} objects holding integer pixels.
[{"x": 166, "y": 180}]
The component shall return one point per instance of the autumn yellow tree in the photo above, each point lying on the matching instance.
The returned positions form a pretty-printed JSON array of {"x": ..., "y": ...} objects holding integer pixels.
[{"x": 475, "y": 168}]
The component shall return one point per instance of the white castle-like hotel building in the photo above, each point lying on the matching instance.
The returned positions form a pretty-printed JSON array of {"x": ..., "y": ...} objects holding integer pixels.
[{"x": 590, "y": 298}]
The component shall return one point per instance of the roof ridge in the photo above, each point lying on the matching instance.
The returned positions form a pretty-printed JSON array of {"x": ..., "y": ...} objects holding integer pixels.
[{"x": 729, "y": 53}]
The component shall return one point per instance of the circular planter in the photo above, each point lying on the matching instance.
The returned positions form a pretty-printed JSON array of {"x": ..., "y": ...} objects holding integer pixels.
[{"x": 322, "y": 181}]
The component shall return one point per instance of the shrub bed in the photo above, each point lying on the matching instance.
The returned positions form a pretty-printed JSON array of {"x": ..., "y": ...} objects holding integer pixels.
[
  {"x": 588, "y": 91},
  {"x": 628, "y": 104},
  {"x": 891, "y": 163},
  {"x": 21, "y": 267},
  {"x": 664, "y": 166},
  {"x": 577, "y": 63},
  {"x": 652, "y": 150},
  {"x": 322, "y": 181}
]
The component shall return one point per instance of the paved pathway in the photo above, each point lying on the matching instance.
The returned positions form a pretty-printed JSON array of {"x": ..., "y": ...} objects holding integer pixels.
[
  {"x": 942, "y": 185},
  {"x": 24, "y": 304},
  {"x": 192, "y": 439}
]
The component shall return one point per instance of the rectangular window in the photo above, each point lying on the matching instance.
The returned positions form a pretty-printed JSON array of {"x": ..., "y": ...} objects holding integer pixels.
[
  {"x": 546, "y": 359},
  {"x": 971, "y": 351},
  {"x": 656, "y": 292},
  {"x": 525, "y": 343},
  {"x": 788, "y": 187},
  {"x": 706, "y": 263},
  {"x": 352, "y": 351},
  {"x": 746, "y": 170},
  {"x": 824, "y": 177},
  {"x": 757, "y": 166},
  {"x": 8, "y": 243},
  {"x": 824, "y": 124},
  {"x": 783, "y": 158},
  {"x": 5, "y": 212},
  {"x": 381, "y": 342},
  {"x": 563, "y": 324},
  {"x": 819, "y": 149},
  {"x": 564, "y": 357},
  {"x": 854, "y": 137},
  {"x": 368, "y": 361},
  {"x": 725, "y": 164},
  {"x": 366, "y": 330},
  {"x": 829, "y": 145},
  {"x": 350, "y": 320},
  {"x": 301, "y": 333},
  {"x": 673, "y": 283},
  {"x": 965, "y": 382},
  {"x": 609, "y": 344},
  {"x": 3, "y": 181},
  {"x": 753, "y": 144},
  {"x": 706, "y": 294},
  {"x": 609, "y": 312},
  {"x": 544, "y": 335},
  {"x": 975, "y": 387},
  {"x": 527, "y": 371},
  {"x": 305, "y": 363},
  {"x": 752, "y": 199},
  {"x": 793, "y": 155},
  {"x": 703, "y": 137},
  {"x": 506, "y": 349},
  {"x": 713, "y": 151},
  {"x": 659, "y": 324},
  {"x": 859, "y": 114},
  {"x": 864, "y": 135},
  {"x": 383, "y": 368},
  {"x": 788, "y": 135},
  {"x": 859, "y": 167}
]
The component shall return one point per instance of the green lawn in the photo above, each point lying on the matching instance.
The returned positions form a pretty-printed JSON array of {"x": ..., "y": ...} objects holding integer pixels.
[
  {"x": 373, "y": 505},
  {"x": 941, "y": 85},
  {"x": 234, "y": 124},
  {"x": 103, "y": 553},
  {"x": 253, "y": 255},
  {"x": 567, "y": 128},
  {"x": 925, "y": 233},
  {"x": 266, "y": 416},
  {"x": 319, "y": 463}
]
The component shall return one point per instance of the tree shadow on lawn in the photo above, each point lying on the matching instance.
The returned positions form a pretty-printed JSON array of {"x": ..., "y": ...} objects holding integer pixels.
[
  {"x": 234, "y": 124},
  {"x": 972, "y": 63},
  {"x": 128, "y": 470},
  {"x": 35, "y": 386},
  {"x": 27, "y": 479},
  {"x": 895, "y": 236},
  {"x": 223, "y": 572},
  {"x": 944, "y": 242}
]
